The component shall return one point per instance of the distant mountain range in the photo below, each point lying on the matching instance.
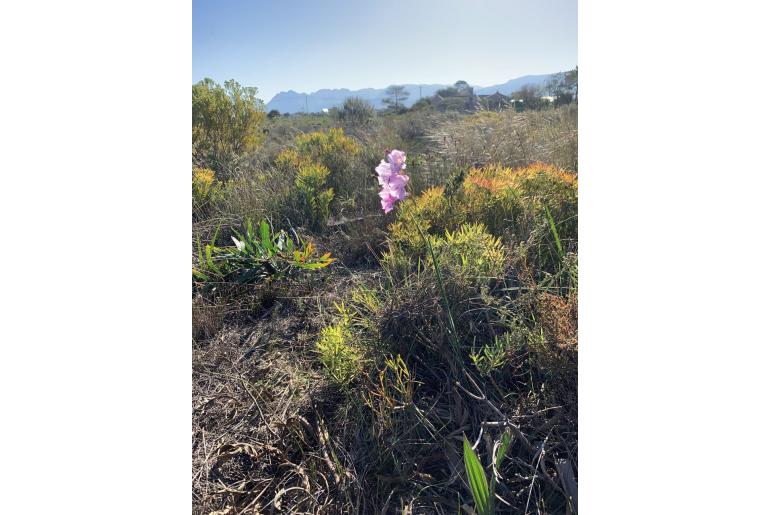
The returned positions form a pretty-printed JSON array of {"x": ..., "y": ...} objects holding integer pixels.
[{"x": 293, "y": 102}]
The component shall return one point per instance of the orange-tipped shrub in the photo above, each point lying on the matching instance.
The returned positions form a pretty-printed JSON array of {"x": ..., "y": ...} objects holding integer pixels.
[{"x": 508, "y": 202}]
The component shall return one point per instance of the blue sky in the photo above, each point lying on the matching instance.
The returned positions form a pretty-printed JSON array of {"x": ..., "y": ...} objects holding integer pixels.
[{"x": 308, "y": 45}]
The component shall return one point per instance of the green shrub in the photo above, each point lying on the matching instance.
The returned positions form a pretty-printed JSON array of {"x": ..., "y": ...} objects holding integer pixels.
[
  {"x": 431, "y": 210},
  {"x": 340, "y": 356},
  {"x": 321, "y": 167},
  {"x": 332, "y": 149},
  {"x": 206, "y": 189},
  {"x": 314, "y": 197},
  {"x": 468, "y": 254},
  {"x": 226, "y": 123},
  {"x": 422, "y": 104},
  {"x": 356, "y": 111},
  {"x": 512, "y": 204}
]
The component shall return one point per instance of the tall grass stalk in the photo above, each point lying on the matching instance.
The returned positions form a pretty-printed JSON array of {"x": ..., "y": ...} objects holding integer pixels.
[
  {"x": 555, "y": 234},
  {"x": 451, "y": 330}
]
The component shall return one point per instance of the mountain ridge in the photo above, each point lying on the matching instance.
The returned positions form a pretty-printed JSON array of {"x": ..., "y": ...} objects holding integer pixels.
[{"x": 296, "y": 102}]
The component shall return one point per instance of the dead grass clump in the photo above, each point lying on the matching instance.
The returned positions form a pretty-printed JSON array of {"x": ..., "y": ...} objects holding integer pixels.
[
  {"x": 207, "y": 318},
  {"x": 558, "y": 316},
  {"x": 358, "y": 241},
  {"x": 412, "y": 316},
  {"x": 256, "y": 443},
  {"x": 510, "y": 138}
]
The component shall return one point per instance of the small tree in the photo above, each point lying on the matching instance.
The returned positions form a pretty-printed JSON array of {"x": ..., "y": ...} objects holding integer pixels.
[
  {"x": 356, "y": 110},
  {"x": 273, "y": 114},
  {"x": 461, "y": 85},
  {"x": 528, "y": 97},
  {"x": 563, "y": 86},
  {"x": 571, "y": 81},
  {"x": 226, "y": 122},
  {"x": 447, "y": 92},
  {"x": 396, "y": 95},
  {"x": 424, "y": 104}
]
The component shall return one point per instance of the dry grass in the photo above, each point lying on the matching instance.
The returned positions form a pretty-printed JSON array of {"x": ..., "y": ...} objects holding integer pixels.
[
  {"x": 511, "y": 139},
  {"x": 257, "y": 421}
]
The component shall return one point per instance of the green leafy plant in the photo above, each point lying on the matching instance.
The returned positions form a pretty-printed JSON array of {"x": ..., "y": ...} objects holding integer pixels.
[
  {"x": 256, "y": 256},
  {"x": 478, "y": 480},
  {"x": 226, "y": 122},
  {"x": 483, "y": 491},
  {"x": 206, "y": 189},
  {"x": 340, "y": 356},
  {"x": 493, "y": 356},
  {"x": 314, "y": 197}
]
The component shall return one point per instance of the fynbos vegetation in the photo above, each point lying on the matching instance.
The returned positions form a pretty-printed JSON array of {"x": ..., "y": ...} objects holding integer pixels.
[{"x": 384, "y": 307}]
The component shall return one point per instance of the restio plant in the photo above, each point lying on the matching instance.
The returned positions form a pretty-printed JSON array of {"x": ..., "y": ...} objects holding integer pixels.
[{"x": 256, "y": 257}]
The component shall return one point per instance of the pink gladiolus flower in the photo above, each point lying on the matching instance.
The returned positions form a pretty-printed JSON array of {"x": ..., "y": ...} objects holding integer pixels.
[{"x": 391, "y": 179}]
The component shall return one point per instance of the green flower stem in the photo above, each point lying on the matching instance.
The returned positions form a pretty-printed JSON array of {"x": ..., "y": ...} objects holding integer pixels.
[{"x": 451, "y": 329}]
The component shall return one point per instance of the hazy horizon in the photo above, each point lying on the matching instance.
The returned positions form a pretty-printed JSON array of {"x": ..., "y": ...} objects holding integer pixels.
[{"x": 345, "y": 44}]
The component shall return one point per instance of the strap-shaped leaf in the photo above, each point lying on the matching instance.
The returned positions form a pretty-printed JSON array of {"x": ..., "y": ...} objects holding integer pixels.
[
  {"x": 477, "y": 480},
  {"x": 505, "y": 442},
  {"x": 265, "y": 230}
]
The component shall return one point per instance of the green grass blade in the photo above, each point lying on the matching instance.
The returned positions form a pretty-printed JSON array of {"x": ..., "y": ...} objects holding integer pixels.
[
  {"x": 445, "y": 300},
  {"x": 264, "y": 229},
  {"x": 505, "y": 443},
  {"x": 553, "y": 231},
  {"x": 477, "y": 479},
  {"x": 200, "y": 251}
]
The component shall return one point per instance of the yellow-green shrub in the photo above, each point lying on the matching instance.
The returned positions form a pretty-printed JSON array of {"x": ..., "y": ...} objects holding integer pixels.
[
  {"x": 335, "y": 151},
  {"x": 507, "y": 201},
  {"x": 469, "y": 253},
  {"x": 205, "y": 188},
  {"x": 314, "y": 196},
  {"x": 320, "y": 164},
  {"x": 432, "y": 210},
  {"x": 289, "y": 161},
  {"x": 511, "y": 200},
  {"x": 331, "y": 148},
  {"x": 338, "y": 353}
]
